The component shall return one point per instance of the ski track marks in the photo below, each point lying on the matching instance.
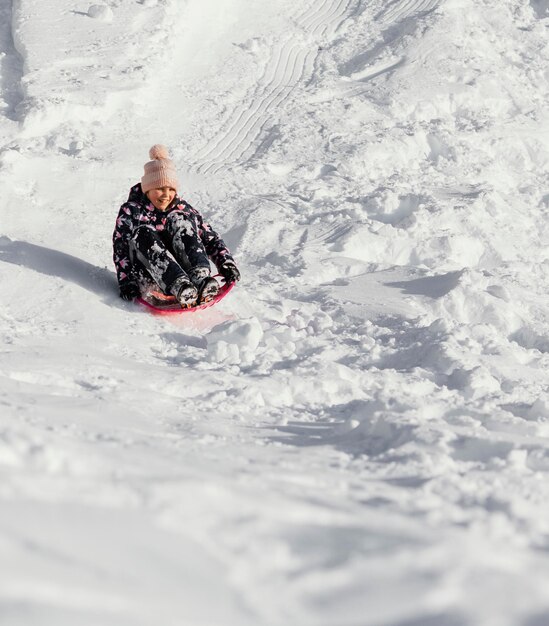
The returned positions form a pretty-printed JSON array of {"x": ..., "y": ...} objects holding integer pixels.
[
  {"x": 399, "y": 10},
  {"x": 289, "y": 64},
  {"x": 292, "y": 62},
  {"x": 286, "y": 68}
]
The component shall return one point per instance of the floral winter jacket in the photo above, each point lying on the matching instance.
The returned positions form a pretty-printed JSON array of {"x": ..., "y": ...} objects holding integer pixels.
[{"x": 138, "y": 210}]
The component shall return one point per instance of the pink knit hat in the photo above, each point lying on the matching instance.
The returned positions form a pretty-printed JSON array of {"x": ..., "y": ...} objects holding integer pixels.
[{"x": 160, "y": 171}]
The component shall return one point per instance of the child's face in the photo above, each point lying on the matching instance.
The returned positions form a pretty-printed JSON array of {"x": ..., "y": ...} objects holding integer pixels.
[{"x": 161, "y": 197}]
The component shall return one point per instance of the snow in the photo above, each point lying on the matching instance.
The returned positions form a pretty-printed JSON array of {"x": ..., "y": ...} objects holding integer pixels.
[
  {"x": 358, "y": 434},
  {"x": 100, "y": 12}
]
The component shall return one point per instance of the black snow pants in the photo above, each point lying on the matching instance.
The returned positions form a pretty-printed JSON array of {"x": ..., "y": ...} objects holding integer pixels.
[{"x": 166, "y": 257}]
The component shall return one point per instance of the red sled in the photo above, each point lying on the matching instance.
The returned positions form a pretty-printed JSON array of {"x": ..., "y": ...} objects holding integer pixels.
[{"x": 161, "y": 304}]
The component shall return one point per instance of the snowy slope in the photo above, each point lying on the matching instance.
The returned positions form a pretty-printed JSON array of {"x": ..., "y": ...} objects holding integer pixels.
[{"x": 359, "y": 433}]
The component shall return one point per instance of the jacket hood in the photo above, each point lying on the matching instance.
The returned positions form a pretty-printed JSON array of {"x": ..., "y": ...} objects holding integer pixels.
[{"x": 136, "y": 195}]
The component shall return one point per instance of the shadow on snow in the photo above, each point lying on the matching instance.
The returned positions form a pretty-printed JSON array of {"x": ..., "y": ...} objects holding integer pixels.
[{"x": 97, "y": 280}]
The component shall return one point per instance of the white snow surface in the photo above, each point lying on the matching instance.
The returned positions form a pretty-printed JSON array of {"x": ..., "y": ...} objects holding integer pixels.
[{"x": 358, "y": 435}]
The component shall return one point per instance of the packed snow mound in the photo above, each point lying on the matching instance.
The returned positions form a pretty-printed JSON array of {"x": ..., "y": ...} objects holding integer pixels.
[
  {"x": 234, "y": 342},
  {"x": 100, "y": 12}
]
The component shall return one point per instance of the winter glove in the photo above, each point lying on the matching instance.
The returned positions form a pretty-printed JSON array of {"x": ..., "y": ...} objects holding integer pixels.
[
  {"x": 129, "y": 291},
  {"x": 229, "y": 272}
]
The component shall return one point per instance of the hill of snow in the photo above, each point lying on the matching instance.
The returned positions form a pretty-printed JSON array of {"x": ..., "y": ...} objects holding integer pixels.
[{"x": 359, "y": 433}]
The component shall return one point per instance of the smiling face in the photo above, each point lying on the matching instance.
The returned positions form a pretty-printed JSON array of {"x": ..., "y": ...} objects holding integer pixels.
[{"x": 161, "y": 197}]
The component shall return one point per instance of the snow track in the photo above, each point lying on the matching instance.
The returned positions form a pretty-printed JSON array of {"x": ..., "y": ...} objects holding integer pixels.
[
  {"x": 323, "y": 19},
  {"x": 288, "y": 66},
  {"x": 398, "y": 10}
]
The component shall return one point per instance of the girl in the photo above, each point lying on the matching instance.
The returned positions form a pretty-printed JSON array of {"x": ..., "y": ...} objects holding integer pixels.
[{"x": 162, "y": 241}]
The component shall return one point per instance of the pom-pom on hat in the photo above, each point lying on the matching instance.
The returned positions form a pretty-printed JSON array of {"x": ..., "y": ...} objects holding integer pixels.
[{"x": 159, "y": 171}]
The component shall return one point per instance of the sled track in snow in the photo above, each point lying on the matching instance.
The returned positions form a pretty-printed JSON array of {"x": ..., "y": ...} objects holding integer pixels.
[{"x": 289, "y": 64}]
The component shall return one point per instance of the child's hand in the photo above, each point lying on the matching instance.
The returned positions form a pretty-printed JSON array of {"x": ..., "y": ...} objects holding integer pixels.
[
  {"x": 230, "y": 272},
  {"x": 129, "y": 291}
]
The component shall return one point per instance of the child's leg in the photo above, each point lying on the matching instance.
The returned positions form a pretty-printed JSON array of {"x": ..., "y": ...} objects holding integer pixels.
[
  {"x": 150, "y": 253},
  {"x": 188, "y": 248}
]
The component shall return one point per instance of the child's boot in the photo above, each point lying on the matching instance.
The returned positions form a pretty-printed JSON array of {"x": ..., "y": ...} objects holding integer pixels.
[
  {"x": 208, "y": 290},
  {"x": 207, "y": 286},
  {"x": 185, "y": 292}
]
